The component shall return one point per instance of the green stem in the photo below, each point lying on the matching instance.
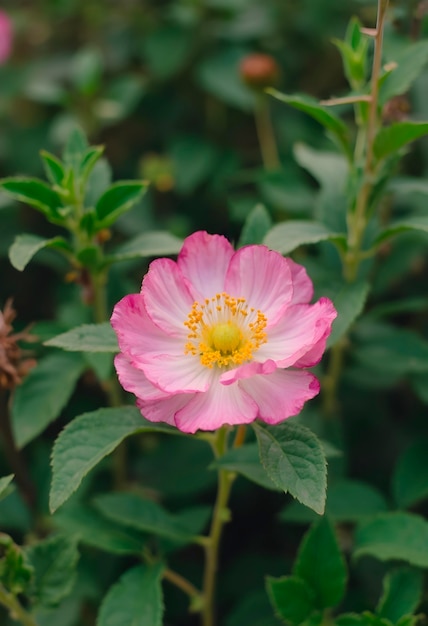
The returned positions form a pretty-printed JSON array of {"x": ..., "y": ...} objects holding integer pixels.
[
  {"x": 266, "y": 134},
  {"x": 16, "y": 610},
  {"x": 221, "y": 515},
  {"x": 182, "y": 583}
]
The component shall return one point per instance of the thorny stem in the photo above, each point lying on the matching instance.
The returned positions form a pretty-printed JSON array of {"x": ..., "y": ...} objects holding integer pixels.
[
  {"x": 16, "y": 610},
  {"x": 221, "y": 515},
  {"x": 266, "y": 134}
]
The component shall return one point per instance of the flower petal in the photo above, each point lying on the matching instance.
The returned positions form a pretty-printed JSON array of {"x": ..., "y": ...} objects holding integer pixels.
[
  {"x": 135, "y": 381},
  {"x": 204, "y": 260},
  {"x": 281, "y": 394},
  {"x": 218, "y": 406},
  {"x": 263, "y": 278},
  {"x": 248, "y": 370},
  {"x": 166, "y": 297},
  {"x": 164, "y": 410},
  {"x": 176, "y": 373},
  {"x": 303, "y": 289},
  {"x": 302, "y": 328}
]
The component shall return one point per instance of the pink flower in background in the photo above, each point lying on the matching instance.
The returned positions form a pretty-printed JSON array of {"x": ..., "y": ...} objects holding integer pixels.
[
  {"x": 221, "y": 337},
  {"x": 6, "y": 36}
]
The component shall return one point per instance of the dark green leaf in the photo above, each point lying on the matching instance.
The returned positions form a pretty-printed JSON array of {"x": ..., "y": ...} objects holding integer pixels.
[
  {"x": 256, "y": 226},
  {"x": 294, "y": 460},
  {"x": 349, "y": 303},
  {"x": 152, "y": 243},
  {"x": 410, "y": 478},
  {"x": 410, "y": 65},
  {"x": 4, "y": 484},
  {"x": 361, "y": 619},
  {"x": 321, "y": 565},
  {"x": 89, "y": 159},
  {"x": 136, "y": 600},
  {"x": 36, "y": 193},
  {"x": 391, "y": 138},
  {"x": 87, "y": 338},
  {"x": 402, "y": 593},
  {"x": 291, "y": 598},
  {"x": 118, "y": 199},
  {"x": 53, "y": 167},
  {"x": 246, "y": 461},
  {"x": 43, "y": 394},
  {"x": 287, "y": 236}
]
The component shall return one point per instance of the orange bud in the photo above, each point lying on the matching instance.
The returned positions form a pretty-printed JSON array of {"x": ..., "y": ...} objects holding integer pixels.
[{"x": 259, "y": 70}]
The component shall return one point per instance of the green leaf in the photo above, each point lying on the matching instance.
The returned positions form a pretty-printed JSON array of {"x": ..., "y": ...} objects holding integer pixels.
[
  {"x": 86, "y": 338},
  {"x": 321, "y": 114},
  {"x": 4, "y": 484},
  {"x": 88, "y": 162},
  {"x": 152, "y": 243},
  {"x": 361, "y": 619},
  {"x": 391, "y": 138},
  {"x": 291, "y": 598},
  {"x": 287, "y": 236},
  {"x": 43, "y": 394},
  {"x": 349, "y": 303},
  {"x": 417, "y": 222},
  {"x": 129, "y": 509},
  {"x": 118, "y": 199},
  {"x": 246, "y": 461},
  {"x": 410, "y": 66},
  {"x": 36, "y": 193},
  {"x": 394, "y": 536},
  {"x": 256, "y": 226},
  {"x": 321, "y": 565},
  {"x": 136, "y": 600},
  {"x": 410, "y": 478},
  {"x": 53, "y": 167},
  {"x": 26, "y": 246},
  {"x": 54, "y": 561},
  {"x": 402, "y": 593},
  {"x": 88, "y": 439},
  {"x": 294, "y": 460},
  {"x": 94, "y": 530},
  {"x": 75, "y": 148}
]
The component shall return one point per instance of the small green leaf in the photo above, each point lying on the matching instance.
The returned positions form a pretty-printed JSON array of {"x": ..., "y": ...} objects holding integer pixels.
[
  {"x": 391, "y": 138},
  {"x": 26, "y": 246},
  {"x": 410, "y": 64},
  {"x": 118, "y": 199},
  {"x": 287, "y": 236},
  {"x": 294, "y": 460},
  {"x": 36, "y": 193},
  {"x": 54, "y": 561},
  {"x": 75, "y": 148},
  {"x": 89, "y": 159},
  {"x": 246, "y": 461},
  {"x": 402, "y": 593},
  {"x": 410, "y": 478},
  {"x": 291, "y": 598},
  {"x": 86, "y": 338},
  {"x": 43, "y": 394},
  {"x": 349, "y": 303},
  {"x": 321, "y": 565},
  {"x": 129, "y": 509},
  {"x": 53, "y": 167},
  {"x": 152, "y": 243},
  {"x": 4, "y": 484},
  {"x": 361, "y": 619},
  {"x": 136, "y": 600},
  {"x": 88, "y": 439},
  {"x": 321, "y": 114},
  {"x": 416, "y": 222},
  {"x": 256, "y": 226},
  {"x": 394, "y": 536}
]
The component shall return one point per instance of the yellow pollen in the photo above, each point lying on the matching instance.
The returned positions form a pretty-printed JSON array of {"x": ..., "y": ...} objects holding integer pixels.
[{"x": 224, "y": 331}]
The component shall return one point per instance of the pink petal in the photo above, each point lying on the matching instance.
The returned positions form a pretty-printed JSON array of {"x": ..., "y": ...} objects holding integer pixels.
[
  {"x": 175, "y": 373},
  {"x": 134, "y": 380},
  {"x": 166, "y": 297},
  {"x": 6, "y": 37},
  {"x": 263, "y": 278},
  {"x": 302, "y": 328},
  {"x": 247, "y": 370},
  {"x": 164, "y": 410},
  {"x": 303, "y": 289},
  {"x": 218, "y": 406},
  {"x": 204, "y": 260},
  {"x": 281, "y": 394}
]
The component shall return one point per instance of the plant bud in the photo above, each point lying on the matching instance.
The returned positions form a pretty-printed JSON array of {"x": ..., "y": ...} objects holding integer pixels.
[{"x": 259, "y": 71}]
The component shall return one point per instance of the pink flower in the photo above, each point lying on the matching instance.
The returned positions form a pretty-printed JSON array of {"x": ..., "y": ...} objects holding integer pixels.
[
  {"x": 6, "y": 36},
  {"x": 221, "y": 337}
]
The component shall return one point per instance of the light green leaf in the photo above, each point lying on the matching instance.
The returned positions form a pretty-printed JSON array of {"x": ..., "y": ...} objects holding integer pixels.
[
  {"x": 256, "y": 226},
  {"x": 43, "y": 394},
  {"x": 391, "y": 138},
  {"x": 402, "y": 593},
  {"x": 416, "y": 222},
  {"x": 153, "y": 243},
  {"x": 129, "y": 509},
  {"x": 246, "y": 461},
  {"x": 4, "y": 484},
  {"x": 349, "y": 303},
  {"x": 291, "y": 598},
  {"x": 86, "y": 338},
  {"x": 26, "y": 246},
  {"x": 136, "y": 600},
  {"x": 294, "y": 460},
  {"x": 321, "y": 114},
  {"x": 394, "y": 536},
  {"x": 287, "y": 236},
  {"x": 321, "y": 565},
  {"x": 118, "y": 199},
  {"x": 409, "y": 65},
  {"x": 54, "y": 561},
  {"x": 88, "y": 439},
  {"x": 410, "y": 478}
]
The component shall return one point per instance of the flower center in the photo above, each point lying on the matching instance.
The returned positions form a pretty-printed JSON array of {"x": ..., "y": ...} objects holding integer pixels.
[{"x": 224, "y": 331}]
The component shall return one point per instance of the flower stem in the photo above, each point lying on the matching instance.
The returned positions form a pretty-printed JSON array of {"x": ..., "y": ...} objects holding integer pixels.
[
  {"x": 266, "y": 134},
  {"x": 221, "y": 515},
  {"x": 16, "y": 610},
  {"x": 181, "y": 583}
]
